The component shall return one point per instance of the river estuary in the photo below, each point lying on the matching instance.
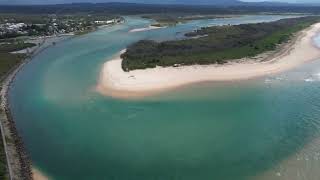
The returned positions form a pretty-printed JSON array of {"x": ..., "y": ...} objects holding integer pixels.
[{"x": 263, "y": 129}]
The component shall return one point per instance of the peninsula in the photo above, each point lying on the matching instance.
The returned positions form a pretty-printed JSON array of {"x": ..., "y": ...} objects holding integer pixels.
[{"x": 221, "y": 53}]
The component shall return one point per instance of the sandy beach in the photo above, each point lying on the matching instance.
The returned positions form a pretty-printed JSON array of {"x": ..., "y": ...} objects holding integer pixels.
[
  {"x": 145, "y": 29},
  {"x": 37, "y": 175},
  {"x": 138, "y": 83}
]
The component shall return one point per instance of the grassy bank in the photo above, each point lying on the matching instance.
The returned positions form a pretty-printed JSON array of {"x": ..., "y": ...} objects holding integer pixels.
[
  {"x": 214, "y": 45},
  {"x": 7, "y": 62},
  {"x": 7, "y": 59},
  {"x": 163, "y": 20},
  {"x": 3, "y": 164}
]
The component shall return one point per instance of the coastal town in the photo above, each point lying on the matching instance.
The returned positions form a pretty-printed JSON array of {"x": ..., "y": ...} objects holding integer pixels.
[{"x": 15, "y": 26}]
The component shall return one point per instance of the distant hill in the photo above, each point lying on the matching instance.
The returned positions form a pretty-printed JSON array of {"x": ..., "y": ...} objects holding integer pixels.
[
  {"x": 171, "y": 2},
  {"x": 228, "y": 7},
  {"x": 195, "y": 2},
  {"x": 186, "y": 2}
]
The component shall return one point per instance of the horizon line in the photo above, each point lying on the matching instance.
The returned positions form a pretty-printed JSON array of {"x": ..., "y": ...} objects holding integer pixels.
[{"x": 143, "y": 3}]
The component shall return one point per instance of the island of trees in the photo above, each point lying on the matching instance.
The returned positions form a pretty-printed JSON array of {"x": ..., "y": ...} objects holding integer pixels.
[
  {"x": 214, "y": 45},
  {"x": 163, "y": 20}
]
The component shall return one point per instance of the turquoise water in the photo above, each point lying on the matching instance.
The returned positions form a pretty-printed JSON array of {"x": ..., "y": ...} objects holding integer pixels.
[{"x": 223, "y": 131}]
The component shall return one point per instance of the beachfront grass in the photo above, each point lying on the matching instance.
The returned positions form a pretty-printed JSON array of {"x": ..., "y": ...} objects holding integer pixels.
[
  {"x": 163, "y": 20},
  {"x": 11, "y": 47},
  {"x": 214, "y": 45},
  {"x": 3, "y": 164},
  {"x": 7, "y": 62},
  {"x": 7, "y": 59}
]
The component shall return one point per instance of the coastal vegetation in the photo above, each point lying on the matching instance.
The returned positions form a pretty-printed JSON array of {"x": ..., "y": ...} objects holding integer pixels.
[
  {"x": 173, "y": 18},
  {"x": 3, "y": 164},
  {"x": 214, "y": 45},
  {"x": 8, "y": 59}
]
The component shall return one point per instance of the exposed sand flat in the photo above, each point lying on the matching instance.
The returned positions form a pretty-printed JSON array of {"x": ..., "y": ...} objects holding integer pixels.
[
  {"x": 117, "y": 83},
  {"x": 37, "y": 175},
  {"x": 145, "y": 29},
  {"x": 302, "y": 165}
]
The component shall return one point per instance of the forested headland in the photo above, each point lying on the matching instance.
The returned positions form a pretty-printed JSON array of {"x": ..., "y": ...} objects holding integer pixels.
[{"x": 214, "y": 45}]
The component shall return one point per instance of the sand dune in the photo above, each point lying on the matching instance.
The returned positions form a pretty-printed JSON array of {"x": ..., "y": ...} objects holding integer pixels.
[{"x": 117, "y": 83}]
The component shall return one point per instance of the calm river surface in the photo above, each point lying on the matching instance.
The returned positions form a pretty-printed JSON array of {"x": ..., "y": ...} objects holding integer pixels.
[{"x": 261, "y": 129}]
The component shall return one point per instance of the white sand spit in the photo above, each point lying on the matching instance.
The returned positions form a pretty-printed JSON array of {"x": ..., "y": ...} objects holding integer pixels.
[{"x": 118, "y": 83}]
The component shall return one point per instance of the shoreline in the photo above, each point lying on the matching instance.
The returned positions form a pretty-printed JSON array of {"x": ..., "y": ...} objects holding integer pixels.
[
  {"x": 297, "y": 165},
  {"x": 18, "y": 162},
  {"x": 19, "y": 165},
  {"x": 38, "y": 175},
  {"x": 146, "y": 29},
  {"x": 114, "y": 82}
]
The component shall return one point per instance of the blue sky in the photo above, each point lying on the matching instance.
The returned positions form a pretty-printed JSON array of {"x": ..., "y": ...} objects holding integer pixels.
[{"x": 69, "y": 1}]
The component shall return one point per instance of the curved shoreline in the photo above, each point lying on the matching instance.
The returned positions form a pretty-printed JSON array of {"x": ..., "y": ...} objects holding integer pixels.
[
  {"x": 113, "y": 81},
  {"x": 38, "y": 175},
  {"x": 18, "y": 161}
]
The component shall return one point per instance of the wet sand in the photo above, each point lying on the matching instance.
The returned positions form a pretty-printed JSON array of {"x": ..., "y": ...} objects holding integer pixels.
[
  {"x": 145, "y": 29},
  {"x": 37, "y": 175}
]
